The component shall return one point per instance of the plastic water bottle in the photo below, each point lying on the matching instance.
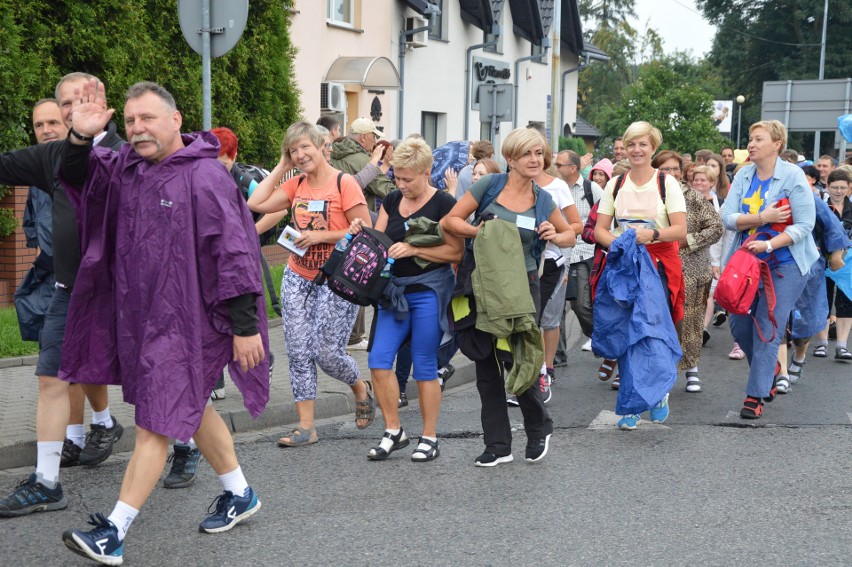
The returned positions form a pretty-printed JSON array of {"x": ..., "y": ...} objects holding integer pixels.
[
  {"x": 388, "y": 269},
  {"x": 343, "y": 243}
]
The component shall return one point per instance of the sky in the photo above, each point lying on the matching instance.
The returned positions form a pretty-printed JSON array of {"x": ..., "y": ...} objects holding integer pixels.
[{"x": 677, "y": 22}]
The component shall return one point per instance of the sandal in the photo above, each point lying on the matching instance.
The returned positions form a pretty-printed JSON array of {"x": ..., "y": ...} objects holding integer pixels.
[
  {"x": 783, "y": 384},
  {"x": 840, "y": 353},
  {"x": 616, "y": 383},
  {"x": 693, "y": 382},
  {"x": 819, "y": 351},
  {"x": 421, "y": 455},
  {"x": 299, "y": 438},
  {"x": 365, "y": 409},
  {"x": 399, "y": 441},
  {"x": 795, "y": 375},
  {"x": 606, "y": 369}
]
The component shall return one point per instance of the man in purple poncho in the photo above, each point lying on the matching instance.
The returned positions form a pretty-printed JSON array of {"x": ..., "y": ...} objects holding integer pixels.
[{"x": 168, "y": 292}]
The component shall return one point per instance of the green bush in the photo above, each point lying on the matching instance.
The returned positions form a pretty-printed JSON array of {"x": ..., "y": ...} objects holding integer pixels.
[
  {"x": 571, "y": 143},
  {"x": 10, "y": 336}
]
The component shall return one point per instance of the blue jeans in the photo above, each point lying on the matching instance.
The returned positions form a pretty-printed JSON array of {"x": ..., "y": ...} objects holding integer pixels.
[{"x": 789, "y": 283}]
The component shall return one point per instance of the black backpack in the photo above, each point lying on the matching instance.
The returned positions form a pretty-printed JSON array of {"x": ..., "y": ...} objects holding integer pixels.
[
  {"x": 356, "y": 273},
  {"x": 244, "y": 175}
]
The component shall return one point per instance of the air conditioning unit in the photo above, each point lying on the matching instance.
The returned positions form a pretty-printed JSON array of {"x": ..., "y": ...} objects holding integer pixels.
[
  {"x": 420, "y": 38},
  {"x": 332, "y": 97}
]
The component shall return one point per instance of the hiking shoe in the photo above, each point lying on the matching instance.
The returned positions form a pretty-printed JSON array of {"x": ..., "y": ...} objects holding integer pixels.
[
  {"x": 544, "y": 387},
  {"x": 487, "y": 459},
  {"x": 629, "y": 422},
  {"x": 184, "y": 462},
  {"x": 783, "y": 384},
  {"x": 32, "y": 496},
  {"x": 660, "y": 412},
  {"x": 229, "y": 510},
  {"x": 99, "y": 443},
  {"x": 719, "y": 318},
  {"x": 70, "y": 456},
  {"x": 752, "y": 408},
  {"x": 512, "y": 401},
  {"x": 100, "y": 544},
  {"x": 445, "y": 374},
  {"x": 537, "y": 449}
]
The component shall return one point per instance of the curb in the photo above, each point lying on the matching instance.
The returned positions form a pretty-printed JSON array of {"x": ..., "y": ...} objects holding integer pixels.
[{"x": 328, "y": 405}]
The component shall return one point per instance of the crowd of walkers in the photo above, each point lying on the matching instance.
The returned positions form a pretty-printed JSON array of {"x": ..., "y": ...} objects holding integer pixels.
[{"x": 133, "y": 229}]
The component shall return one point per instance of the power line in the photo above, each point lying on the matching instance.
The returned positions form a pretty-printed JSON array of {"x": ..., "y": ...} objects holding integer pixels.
[{"x": 748, "y": 34}]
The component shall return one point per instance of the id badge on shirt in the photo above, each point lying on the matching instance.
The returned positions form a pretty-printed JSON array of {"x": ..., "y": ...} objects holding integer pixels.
[
  {"x": 527, "y": 223},
  {"x": 316, "y": 206}
]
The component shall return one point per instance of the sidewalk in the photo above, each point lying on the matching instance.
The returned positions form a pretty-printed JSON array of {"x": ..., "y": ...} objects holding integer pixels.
[{"x": 19, "y": 392}]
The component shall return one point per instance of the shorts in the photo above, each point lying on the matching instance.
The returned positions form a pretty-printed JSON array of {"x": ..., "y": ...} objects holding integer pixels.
[
  {"x": 50, "y": 339},
  {"x": 554, "y": 306}
]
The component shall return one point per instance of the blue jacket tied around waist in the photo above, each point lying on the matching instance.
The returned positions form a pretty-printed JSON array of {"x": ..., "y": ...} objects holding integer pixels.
[{"x": 633, "y": 325}]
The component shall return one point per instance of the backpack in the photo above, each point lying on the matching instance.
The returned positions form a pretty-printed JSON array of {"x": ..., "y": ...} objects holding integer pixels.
[
  {"x": 587, "y": 192},
  {"x": 355, "y": 274},
  {"x": 247, "y": 177},
  {"x": 739, "y": 285}
]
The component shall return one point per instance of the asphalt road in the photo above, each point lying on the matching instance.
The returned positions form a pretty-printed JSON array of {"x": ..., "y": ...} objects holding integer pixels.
[{"x": 705, "y": 488}]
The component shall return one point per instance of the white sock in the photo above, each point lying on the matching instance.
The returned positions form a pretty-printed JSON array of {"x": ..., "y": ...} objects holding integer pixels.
[
  {"x": 103, "y": 418},
  {"x": 543, "y": 369},
  {"x": 424, "y": 446},
  {"x": 234, "y": 482},
  {"x": 122, "y": 516},
  {"x": 192, "y": 444},
  {"x": 387, "y": 443},
  {"x": 76, "y": 434},
  {"x": 693, "y": 369},
  {"x": 47, "y": 463}
]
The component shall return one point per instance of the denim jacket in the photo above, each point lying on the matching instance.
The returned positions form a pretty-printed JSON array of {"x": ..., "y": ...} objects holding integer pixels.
[{"x": 787, "y": 181}]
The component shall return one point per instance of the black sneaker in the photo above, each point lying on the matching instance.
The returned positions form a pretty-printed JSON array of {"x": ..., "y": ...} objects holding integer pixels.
[
  {"x": 99, "y": 443},
  {"x": 445, "y": 373},
  {"x": 551, "y": 372},
  {"x": 487, "y": 459},
  {"x": 100, "y": 544},
  {"x": 184, "y": 467},
  {"x": 32, "y": 496},
  {"x": 70, "y": 455},
  {"x": 719, "y": 318},
  {"x": 403, "y": 400},
  {"x": 537, "y": 449}
]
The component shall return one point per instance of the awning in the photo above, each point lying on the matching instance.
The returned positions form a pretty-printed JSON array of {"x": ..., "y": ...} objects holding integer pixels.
[
  {"x": 369, "y": 72},
  {"x": 480, "y": 13},
  {"x": 571, "y": 30},
  {"x": 526, "y": 16},
  {"x": 418, "y": 6}
]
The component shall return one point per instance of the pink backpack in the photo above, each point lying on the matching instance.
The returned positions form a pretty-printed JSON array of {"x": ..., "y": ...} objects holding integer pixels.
[{"x": 739, "y": 284}]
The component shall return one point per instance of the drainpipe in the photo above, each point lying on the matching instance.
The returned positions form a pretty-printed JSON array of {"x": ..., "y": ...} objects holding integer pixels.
[
  {"x": 467, "y": 81},
  {"x": 583, "y": 64},
  {"x": 403, "y": 36},
  {"x": 537, "y": 58}
]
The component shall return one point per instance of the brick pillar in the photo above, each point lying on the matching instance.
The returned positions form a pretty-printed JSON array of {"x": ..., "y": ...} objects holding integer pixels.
[{"x": 15, "y": 257}]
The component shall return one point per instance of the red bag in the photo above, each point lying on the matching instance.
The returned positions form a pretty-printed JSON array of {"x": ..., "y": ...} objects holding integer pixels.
[
  {"x": 739, "y": 284},
  {"x": 780, "y": 226}
]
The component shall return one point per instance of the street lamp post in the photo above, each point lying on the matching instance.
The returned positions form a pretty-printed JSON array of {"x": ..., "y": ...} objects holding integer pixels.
[{"x": 740, "y": 101}]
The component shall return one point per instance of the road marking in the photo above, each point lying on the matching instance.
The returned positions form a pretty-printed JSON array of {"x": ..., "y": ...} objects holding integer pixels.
[{"x": 608, "y": 421}]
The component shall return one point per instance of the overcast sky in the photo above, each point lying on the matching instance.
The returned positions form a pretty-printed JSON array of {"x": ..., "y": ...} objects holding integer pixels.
[{"x": 678, "y": 22}]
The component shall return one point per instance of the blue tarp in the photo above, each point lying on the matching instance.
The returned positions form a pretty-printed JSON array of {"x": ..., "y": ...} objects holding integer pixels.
[
  {"x": 450, "y": 155},
  {"x": 633, "y": 325}
]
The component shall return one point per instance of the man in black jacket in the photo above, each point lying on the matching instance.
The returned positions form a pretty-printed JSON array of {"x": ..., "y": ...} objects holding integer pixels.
[{"x": 38, "y": 166}]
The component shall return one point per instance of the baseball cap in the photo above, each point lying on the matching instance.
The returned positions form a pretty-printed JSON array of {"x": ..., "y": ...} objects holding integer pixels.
[{"x": 364, "y": 126}]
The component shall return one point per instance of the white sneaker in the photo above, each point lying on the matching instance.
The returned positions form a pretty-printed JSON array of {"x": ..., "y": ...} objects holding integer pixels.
[
  {"x": 359, "y": 345},
  {"x": 587, "y": 346},
  {"x": 218, "y": 394}
]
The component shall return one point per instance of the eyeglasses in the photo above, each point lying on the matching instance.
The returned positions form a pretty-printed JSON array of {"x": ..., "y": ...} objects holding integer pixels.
[{"x": 669, "y": 169}]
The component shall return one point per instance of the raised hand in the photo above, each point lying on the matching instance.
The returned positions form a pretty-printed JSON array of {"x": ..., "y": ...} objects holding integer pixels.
[{"x": 89, "y": 113}]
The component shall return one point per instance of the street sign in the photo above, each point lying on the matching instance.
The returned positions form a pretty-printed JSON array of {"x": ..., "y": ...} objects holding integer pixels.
[
  {"x": 228, "y": 19},
  {"x": 495, "y": 101},
  {"x": 806, "y": 106}
]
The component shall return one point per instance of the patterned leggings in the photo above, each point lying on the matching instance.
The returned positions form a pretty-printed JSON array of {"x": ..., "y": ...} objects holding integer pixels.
[{"x": 317, "y": 324}]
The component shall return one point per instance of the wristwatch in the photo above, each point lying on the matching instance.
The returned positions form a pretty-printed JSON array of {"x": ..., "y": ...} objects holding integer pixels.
[
  {"x": 769, "y": 247},
  {"x": 656, "y": 235}
]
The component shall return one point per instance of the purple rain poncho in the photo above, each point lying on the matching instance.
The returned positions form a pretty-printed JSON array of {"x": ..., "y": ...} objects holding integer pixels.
[{"x": 165, "y": 245}]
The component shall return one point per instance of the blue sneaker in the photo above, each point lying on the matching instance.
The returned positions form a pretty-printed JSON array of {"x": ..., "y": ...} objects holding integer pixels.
[
  {"x": 629, "y": 422},
  {"x": 100, "y": 544},
  {"x": 660, "y": 412},
  {"x": 184, "y": 467},
  {"x": 32, "y": 496},
  {"x": 229, "y": 511}
]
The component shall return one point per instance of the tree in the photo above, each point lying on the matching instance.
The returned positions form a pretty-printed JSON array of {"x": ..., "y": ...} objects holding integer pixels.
[
  {"x": 763, "y": 40},
  {"x": 681, "y": 109}
]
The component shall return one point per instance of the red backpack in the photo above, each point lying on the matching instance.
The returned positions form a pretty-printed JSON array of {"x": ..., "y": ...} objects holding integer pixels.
[{"x": 739, "y": 283}]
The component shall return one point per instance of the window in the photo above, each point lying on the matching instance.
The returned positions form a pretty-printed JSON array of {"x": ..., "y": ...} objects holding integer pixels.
[
  {"x": 341, "y": 12},
  {"x": 429, "y": 128},
  {"x": 437, "y": 29}
]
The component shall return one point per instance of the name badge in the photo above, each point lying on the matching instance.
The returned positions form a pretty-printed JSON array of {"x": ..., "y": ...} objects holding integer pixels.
[
  {"x": 525, "y": 222},
  {"x": 405, "y": 224},
  {"x": 316, "y": 206}
]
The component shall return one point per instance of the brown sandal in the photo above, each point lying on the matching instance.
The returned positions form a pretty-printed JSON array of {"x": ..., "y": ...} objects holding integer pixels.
[
  {"x": 607, "y": 368},
  {"x": 365, "y": 409}
]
